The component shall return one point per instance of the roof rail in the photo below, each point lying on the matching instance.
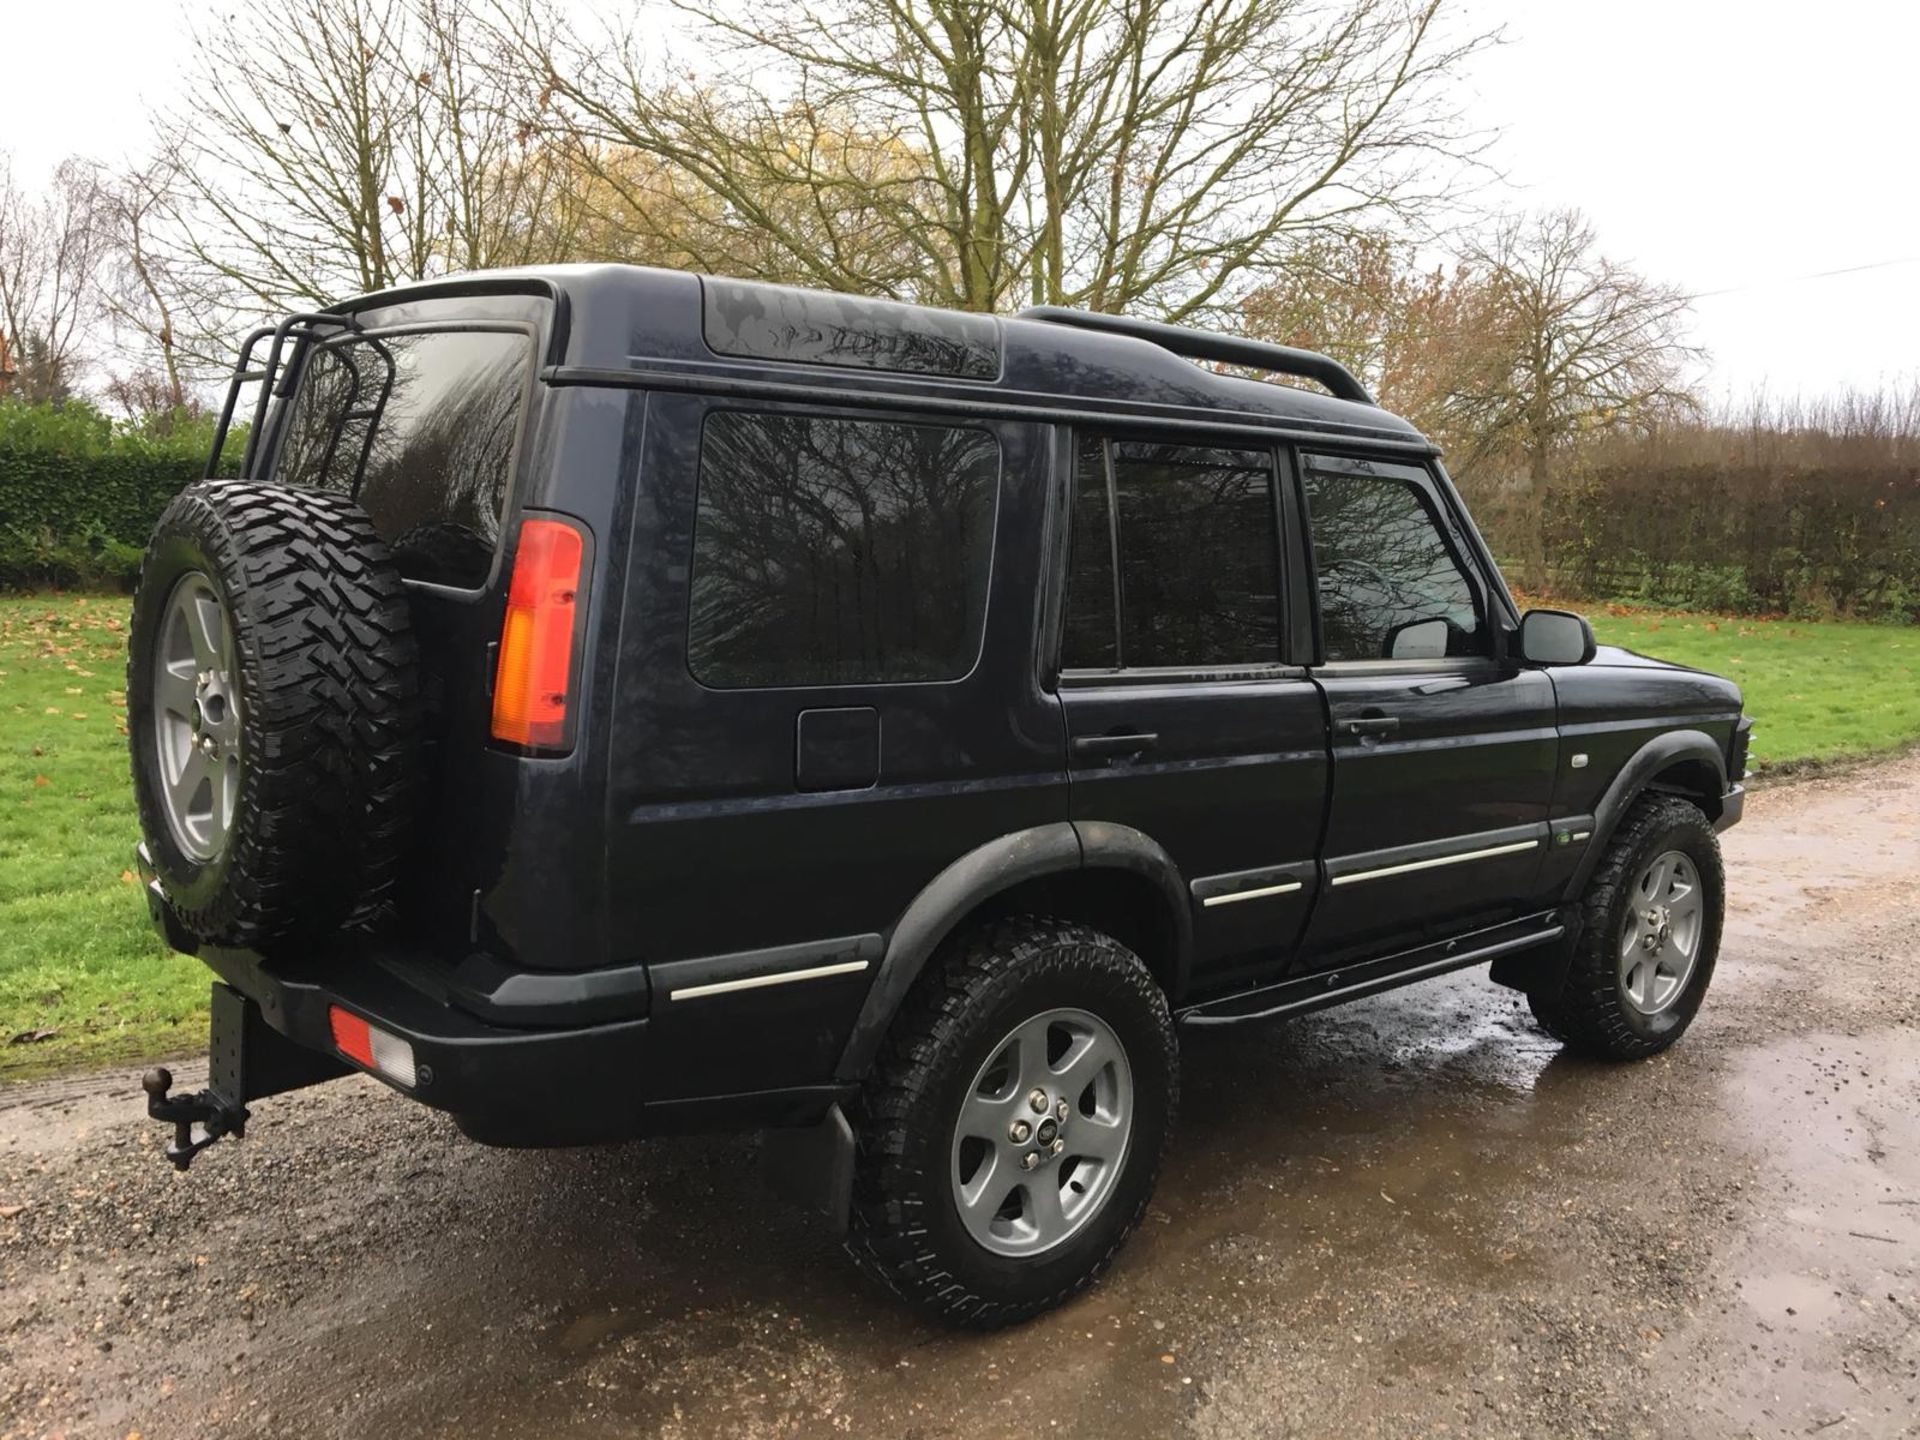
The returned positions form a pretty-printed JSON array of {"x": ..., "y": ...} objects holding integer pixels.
[{"x": 1204, "y": 345}]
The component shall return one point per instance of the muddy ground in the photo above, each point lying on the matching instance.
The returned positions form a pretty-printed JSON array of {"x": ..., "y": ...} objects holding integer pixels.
[{"x": 1408, "y": 1217}]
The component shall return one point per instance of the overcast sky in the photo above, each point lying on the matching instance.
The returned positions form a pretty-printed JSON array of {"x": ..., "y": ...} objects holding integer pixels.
[{"x": 1737, "y": 149}]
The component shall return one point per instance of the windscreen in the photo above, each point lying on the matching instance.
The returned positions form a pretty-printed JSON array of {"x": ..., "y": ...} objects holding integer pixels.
[{"x": 436, "y": 414}]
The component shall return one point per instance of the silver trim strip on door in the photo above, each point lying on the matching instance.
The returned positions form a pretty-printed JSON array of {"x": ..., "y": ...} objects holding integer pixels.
[
  {"x": 756, "y": 982},
  {"x": 1286, "y": 889},
  {"x": 1434, "y": 864}
]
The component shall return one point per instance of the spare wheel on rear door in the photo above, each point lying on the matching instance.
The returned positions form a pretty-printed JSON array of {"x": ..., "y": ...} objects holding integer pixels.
[{"x": 273, "y": 713}]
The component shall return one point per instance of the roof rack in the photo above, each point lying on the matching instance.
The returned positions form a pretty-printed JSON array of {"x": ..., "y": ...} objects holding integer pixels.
[{"x": 1223, "y": 349}]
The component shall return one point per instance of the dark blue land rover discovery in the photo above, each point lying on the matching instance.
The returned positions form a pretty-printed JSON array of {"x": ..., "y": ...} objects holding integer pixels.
[{"x": 618, "y": 701}]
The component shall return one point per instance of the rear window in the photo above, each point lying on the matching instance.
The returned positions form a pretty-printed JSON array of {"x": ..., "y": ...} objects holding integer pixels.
[
  {"x": 439, "y": 450},
  {"x": 839, "y": 552}
]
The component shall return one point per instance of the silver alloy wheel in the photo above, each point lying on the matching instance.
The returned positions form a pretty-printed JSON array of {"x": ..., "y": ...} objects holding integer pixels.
[
  {"x": 196, "y": 718},
  {"x": 1661, "y": 940},
  {"x": 1042, "y": 1134}
]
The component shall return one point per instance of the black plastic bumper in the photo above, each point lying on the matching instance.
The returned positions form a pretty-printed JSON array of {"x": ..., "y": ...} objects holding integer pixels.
[
  {"x": 520, "y": 1087},
  {"x": 538, "y": 1083},
  {"x": 523, "y": 1084},
  {"x": 1732, "y": 805}
]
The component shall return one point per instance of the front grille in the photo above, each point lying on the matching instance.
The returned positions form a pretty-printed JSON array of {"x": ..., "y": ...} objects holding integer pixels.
[{"x": 1737, "y": 752}]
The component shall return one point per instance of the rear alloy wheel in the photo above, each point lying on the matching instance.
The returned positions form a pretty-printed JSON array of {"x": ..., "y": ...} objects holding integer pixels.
[
  {"x": 1009, "y": 1137},
  {"x": 1043, "y": 1132}
]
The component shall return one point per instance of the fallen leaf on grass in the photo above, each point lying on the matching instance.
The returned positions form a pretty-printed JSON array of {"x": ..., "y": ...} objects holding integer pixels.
[
  {"x": 40, "y": 782},
  {"x": 31, "y": 1037}
]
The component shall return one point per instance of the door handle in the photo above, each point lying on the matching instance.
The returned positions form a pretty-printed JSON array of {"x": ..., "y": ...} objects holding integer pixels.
[
  {"x": 1114, "y": 746},
  {"x": 1373, "y": 725}
]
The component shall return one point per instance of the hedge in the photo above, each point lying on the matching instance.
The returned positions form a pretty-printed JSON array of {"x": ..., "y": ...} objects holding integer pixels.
[
  {"x": 79, "y": 493},
  {"x": 82, "y": 520},
  {"x": 1746, "y": 538}
]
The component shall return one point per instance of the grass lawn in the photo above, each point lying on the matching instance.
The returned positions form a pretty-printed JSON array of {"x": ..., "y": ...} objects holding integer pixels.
[
  {"x": 1818, "y": 691},
  {"x": 78, "y": 959},
  {"x": 77, "y": 956}
]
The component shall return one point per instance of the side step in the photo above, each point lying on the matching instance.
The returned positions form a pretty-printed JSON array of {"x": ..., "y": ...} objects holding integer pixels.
[{"x": 1301, "y": 993}]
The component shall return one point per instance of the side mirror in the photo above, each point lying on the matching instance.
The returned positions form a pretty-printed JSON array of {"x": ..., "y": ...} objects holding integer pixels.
[
  {"x": 1555, "y": 637},
  {"x": 1418, "y": 640}
]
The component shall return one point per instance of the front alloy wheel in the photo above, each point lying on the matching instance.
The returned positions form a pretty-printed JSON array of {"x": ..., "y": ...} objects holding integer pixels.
[
  {"x": 1661, "y": 938},
  {"x": 1647, "y": 938}
]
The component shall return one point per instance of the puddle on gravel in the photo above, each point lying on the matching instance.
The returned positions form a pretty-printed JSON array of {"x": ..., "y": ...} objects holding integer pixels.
[
  {"x": 1822, "y": 1334},
  {"x": 1409, "y": 1213}
]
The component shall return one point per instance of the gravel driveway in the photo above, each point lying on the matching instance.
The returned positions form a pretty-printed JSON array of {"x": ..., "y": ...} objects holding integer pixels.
[{"x": 1407, "y": 1217}]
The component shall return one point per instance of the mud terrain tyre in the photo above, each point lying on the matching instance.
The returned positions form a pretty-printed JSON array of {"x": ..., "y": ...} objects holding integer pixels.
[
  {"x": 1648, "y": 939},
  {"x": 272, "y": 713},
  {"x": 1033, "y": 1059}
]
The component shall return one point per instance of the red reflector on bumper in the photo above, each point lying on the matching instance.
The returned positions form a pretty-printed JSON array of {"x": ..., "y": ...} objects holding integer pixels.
[
  {"x": 352, "y": 1036},
  {"x": 373, "y": 1047}
]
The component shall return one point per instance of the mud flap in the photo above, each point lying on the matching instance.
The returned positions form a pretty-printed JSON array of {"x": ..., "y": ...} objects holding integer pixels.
[
  {"x": 247, "y": 1059},
  {"x": 1540, "y": 971},
  {"x": 813, "y": 1167}
]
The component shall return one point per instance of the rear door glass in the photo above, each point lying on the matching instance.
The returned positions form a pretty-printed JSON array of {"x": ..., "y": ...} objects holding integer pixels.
[
  {"x": 439, "y": 446},
  {"x": 1193, "y": 530}
]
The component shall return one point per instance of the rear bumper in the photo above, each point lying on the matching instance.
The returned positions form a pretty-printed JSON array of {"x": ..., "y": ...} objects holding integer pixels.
[
  {"x": 516, "y": 1084},
  {"x": 537, "y": 1085}
]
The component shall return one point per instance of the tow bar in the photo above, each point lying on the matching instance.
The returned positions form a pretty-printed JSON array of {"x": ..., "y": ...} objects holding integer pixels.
[
  {"x": 203, "y": 1108},
  {"x": 247, "y": 1059}
]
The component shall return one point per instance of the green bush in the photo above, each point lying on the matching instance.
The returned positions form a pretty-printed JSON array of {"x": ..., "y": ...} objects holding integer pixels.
[{"x": 79, "y": 493}]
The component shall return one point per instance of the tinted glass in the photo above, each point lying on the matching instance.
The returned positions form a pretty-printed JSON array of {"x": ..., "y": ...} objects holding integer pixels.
[
  {"x": 836, "y": 552},
  {"x": 1199, "y": 564},
  {"x": 772, "y": 322},
  {"x": 439, "y": 452},
  {"x": 1092, "y": 637},
  {"x": 1384, "y": 564}
]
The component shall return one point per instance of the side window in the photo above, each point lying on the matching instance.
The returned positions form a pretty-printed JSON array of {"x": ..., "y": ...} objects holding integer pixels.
[
  {"x": 439, "y": 449},
  {"x": 839, "y": 552},
  {"x": 1190, "y": 531},
  {"x": 1390, "y": 586}
]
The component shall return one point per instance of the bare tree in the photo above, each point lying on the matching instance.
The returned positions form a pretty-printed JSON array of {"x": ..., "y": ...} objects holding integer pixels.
[
  {"x": 1116, "y": 154},
  {"x": 1582, "y": 343},
  {"x": 1410, "y": 331},
  {"x": 345, "y": 146},
  {"x": 140, "y": 292},
  {"x": 50, "y": 254}
]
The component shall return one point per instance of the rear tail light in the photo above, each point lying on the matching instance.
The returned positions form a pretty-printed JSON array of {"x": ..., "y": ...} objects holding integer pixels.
[
  {"x": 371, "y": 1047},
  {"x": 531, "y": 686}
]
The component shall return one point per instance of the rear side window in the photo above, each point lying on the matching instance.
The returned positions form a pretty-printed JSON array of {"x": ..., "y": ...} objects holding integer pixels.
[
  {"x": 1388, "y": 578},
  {"x": 839, "y": 552},
  {"x": 439, "y": 450},
  {"x": 1190, "y": 533}
]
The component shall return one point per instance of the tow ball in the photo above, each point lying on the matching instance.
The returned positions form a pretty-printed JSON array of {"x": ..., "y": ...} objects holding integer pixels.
[{"x": 214, "y": 1116}]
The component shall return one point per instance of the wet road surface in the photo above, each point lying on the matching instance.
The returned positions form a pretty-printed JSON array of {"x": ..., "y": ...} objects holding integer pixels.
[{"x": 1411, "y": 1216}]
